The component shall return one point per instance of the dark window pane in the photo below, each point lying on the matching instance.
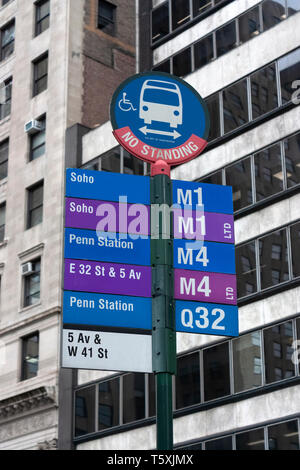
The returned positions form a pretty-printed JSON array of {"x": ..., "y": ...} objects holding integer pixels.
[
  {"x": 7, "y": 40},
  {"x": 247, "y": 362},
  {"x": 197, "y": 446},
  {"x": 30, "y": 359},
  {"x": 289, "y": 69},
  {"x": 35, "y": 205},
  {"x": 216, "y": 372},
  {"x": 188, "y": 381},
  {"x": 180, "y": 13},
  {"x": 3, "y": 159},
  {"x": 200, "y": 6},
  {"x": 106, "y": 17},
  {"x": 5, "y": 101},
  {"x": 132, "y": 165},
  {"x": 42, "y": 16},
  {"x": 163, "y": 67},
  {"x": 264, "y": 91},
  {"x": 293, "y": 6},
  {"x": 214, "y": 116},
  {"x": 292, "y": 160},
  {"x": 239, "y": 177},
  {"x": 152, "y": 395},
  {"x": 2, "y": 221},
  {"x": 249, "y": 25},
  {"x": 273, "y": 259},
  {"x": 160, "y": 22},
  {"x": 85, "y": 411},
  {"x": 38, "y": 142},
  {"x": 182, "y": 63},
  {"x": 284, "y": 436},
  {"x": 32, "y": 283},
  {"x": 226, "y": 38},
  {"x": 278, "y": 350},
  {"x": 108, "y": 411},
  {"x": 133, "y": 397},
  {"x": 111, "y": 161},
  {"x": 246, "y": 269},
  {"x": 273, "y": 13},
  {"x": 251, "y": 440},
  {"x": 40, "y": 75},
  {"x": 225, "y": 443},
  {"x": 295, "y": 244},
  {"x": 235, "y": 104},
  {"x": 268, "y": 172},
  {"x": 298, "y": 328},
  {"x": 215, "y": 178},
  {"x": 203, "y": 52}
]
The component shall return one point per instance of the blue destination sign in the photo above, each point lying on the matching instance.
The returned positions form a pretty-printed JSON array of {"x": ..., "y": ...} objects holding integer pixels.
[
  {"x": 214, "y": 197},
  {"x": 84, "y": 308},
  {"x": 104, "y": 246},
  {"x": 205, "y": 318},
  {"x": 197, "y": 255},
  {"x": 88, "y": 184}
]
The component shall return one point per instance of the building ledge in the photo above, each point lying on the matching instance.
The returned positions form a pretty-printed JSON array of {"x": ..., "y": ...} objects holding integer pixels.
[{"x": 27, "y": 401}]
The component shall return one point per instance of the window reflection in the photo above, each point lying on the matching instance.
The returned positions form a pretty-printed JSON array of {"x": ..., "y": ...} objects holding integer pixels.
[
  {"x": 213, "y": 104},
  {"x": 246, "y": 269},
  {"x": 188, "y": 381},
  {"x": 295, "y": 243},
  {"x": 85, "y": 411},
  {"x": 160, "y": 22},
  {"x": 200, "y": 6},
  {"x": 239, "y": 177},
  {"x": 278, "y": 352},
  {"x": 292, "y": 160},
  {"x": 247, "y": 362},
  {"x": 268, "y": 172},
  {"x": 203, "y": 51},
  {"x": 180, "y": 13},
  {"x": 226, "y": 38},
  {"x": 249, "y": 25},
  {"x": 284, "y": 436},
  {"x": 264, "y": 91},
  {"x": 216, "y": 372},
  {"x": 273, "y": 13},
  {"x": 273, "y": 269},
  {"x": 215, "y": 178},
  {"x": 108, "y": 411},
  {"x": 182, "y": 63},
  {"x": 251, "y": 440},
  {"x": 293, "y": 6},
  {"x": 111, "y": 161},
  {"x": 235, "y": 104},
  {"x": 133, "y": 397},
  {"x": 289, "y": 69}
]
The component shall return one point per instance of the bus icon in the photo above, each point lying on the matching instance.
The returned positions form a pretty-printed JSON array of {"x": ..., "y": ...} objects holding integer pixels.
[{"x": 161, "y": 101}]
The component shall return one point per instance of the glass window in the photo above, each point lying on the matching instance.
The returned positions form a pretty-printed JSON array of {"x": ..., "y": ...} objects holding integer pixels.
[
  {"x": 278, "y": 352},
  {"x": 295, "y": 244},
  {"x": 200, "y": 6},
  {"x": 251, "y": 440},
  {"x": 108, "y": 407},
  {"x": 235, "y": 104},
  {"x": 7, "y": 40},
  {"x": 292, "y": 160},
  {"x": 249, "y": 25},
  {"x": 163, "y": 67},
  {"x": 264, "y": 96},
  {"x": 85, "y": 411},
  {"x": 216, "y": 371},
  {"x": 247, "y": 362},
  {"x": 239, "y": 177},
  {"x": 188, "y": 381},
  {"x": 180, "y": 13},
  {"x": 160, "y": 22},
  {"x": 5, "y": 101},
  {"x": 273, "y": 12},
  {"x": 2, "y": 221},
  {"x": 284, "y": 436},
  {"x": 35, "y": 205},
  {"x": 203, "y": 51},
  {"x": 30, "y": 356},
  {"x": 293, "y": 6},
  {"x": 289, "y": 70},
  {"x": 106, "y": 17},
  {"x": 226, "y": 38},
  {"x": 273, "y": 261},
  {"x": 152, "y": 394},
  {"x": 38, "y": 141},
  {"x": 133, "y": 397},
  {"x": 182, "y": 63},
  {"x": 132, "y": 165},
  {"x": 224, "y": 443},
  {"x": 42, "y": 16},
  {"x": 111, "y": 161},
  {"x": 213, "y": 104},
  {"x": 246, "y": 269},
  {"x": 4, "y": 146},
  {"x": 40, "y": 75},
  {"x": 268, "y": 172},
  {"x": 215, "y": 178},
  {"x": 32, "y": 284}
]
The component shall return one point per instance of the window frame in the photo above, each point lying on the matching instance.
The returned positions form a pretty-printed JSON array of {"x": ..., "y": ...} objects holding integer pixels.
[
  {"x": 30, "y": 209},
  {"x": 33, "y": 148},
  {"x": 112, "y": 30},
  {"x": 26, "y": 285},
  {"x": 24, "y": 339},
  {"x": 38, "y": 28},
  {"x": 36, "y": 77},
  {"x": 4, "y": 28}
]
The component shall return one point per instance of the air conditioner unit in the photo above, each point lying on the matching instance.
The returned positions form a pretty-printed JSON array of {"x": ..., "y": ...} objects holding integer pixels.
[
  {"x": 33, "y": 126},
  {"x": 26, "y": 269}
]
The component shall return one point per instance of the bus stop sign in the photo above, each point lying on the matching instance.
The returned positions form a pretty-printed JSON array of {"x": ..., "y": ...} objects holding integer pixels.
[{"x": 157, "y": 116}]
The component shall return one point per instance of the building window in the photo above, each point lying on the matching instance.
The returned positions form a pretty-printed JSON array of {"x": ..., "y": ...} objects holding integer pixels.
[
  {"x": 35, "y": 205},
  {"x": 264, "y": 94},
  {"x": 32, "y": 283},
  {"x": 133, "y": 397},
  {"x": 108, "y": 402},
  {"x": 7, "y": 40},
  {"x": 2, "y": 221},
  {"x": 273, "y": 12},
  {"x": 249, "y": 25},
  {"x": 247, "y": 362},
  {"x": 30, "y": 356},
  {"x": 278, "y": 342},
  {"x": 226, "y": 38},
  {"x": 246, "y": 269},
  {"x": 273, "y": 271},
  {"x": 268, "y": 172},
  {"x": 107, "y": 17},
  {"x": 4, "y": 158},
  {"x": 180, "y": 13},
  {"x": 284, "y": 436},
  {"x": 238, "y": 176},
  {"x": 4, "y": 2},
  {"x": 251, "y": 440},
  {"x": 5, "y": 98},
  {"x": 182, "y": 63},
  {"x": 40, "y": 75},
  {"x": 216, "y": 371},
  {"x": 289, "y": 70},
  {"x": 160, "y": 22},
  {"x": 235, "y": 104},
  {"x": 203, "y": 51},
  {"x": 38, "y": 141},
  {"x": 85, "y": 411},
  {"x": 42, "y": 18},
  {"x": 188, "y": 381}
]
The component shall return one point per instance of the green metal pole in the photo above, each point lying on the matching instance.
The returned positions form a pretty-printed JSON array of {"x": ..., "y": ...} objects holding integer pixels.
[{"x": 163, "y": 316}]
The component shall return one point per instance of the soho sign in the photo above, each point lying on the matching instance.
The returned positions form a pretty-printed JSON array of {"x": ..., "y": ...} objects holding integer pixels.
[{"x": 156, "y": 116}]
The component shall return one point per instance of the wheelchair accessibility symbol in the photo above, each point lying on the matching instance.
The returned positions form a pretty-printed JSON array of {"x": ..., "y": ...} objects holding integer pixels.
[{"x": 125, "y": 104}]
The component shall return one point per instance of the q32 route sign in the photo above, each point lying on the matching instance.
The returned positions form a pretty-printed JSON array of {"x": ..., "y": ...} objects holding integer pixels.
[
  {"x": 107, "y": 315},
  {"x": 153, "y": 117}
]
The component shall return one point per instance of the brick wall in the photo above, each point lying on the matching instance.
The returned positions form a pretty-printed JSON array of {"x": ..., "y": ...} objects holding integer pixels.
[{"x": 108, "y": 59}]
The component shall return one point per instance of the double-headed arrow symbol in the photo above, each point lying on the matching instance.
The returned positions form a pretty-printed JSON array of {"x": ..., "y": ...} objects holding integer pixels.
[{"x": 173, "y": 134}]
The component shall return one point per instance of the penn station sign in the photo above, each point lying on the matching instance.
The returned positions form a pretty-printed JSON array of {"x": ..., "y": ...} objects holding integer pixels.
[{"x": 156, "y": 116}]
